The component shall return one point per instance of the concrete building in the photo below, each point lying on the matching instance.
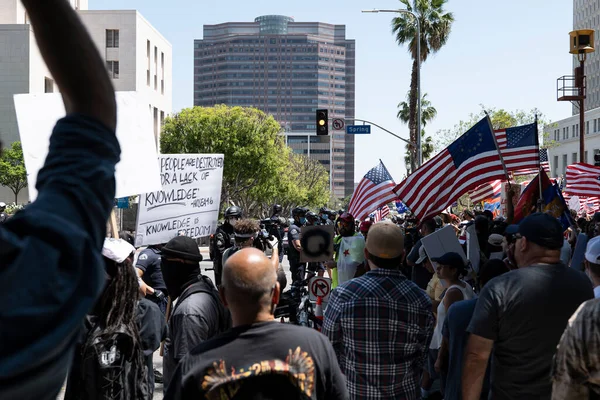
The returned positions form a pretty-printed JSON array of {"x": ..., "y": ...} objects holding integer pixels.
[
  {"x": 138, "y": 57},
  {"x": 586, "y": 15},
  {"x": 287, "y": 69}
]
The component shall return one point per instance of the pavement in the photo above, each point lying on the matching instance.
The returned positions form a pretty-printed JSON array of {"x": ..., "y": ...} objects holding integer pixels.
[{"x": 204, "y": 265}]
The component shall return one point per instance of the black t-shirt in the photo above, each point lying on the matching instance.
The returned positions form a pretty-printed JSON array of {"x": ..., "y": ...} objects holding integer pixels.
[
  {"x": 149, "y": 262},
  {"x": 219, "y": 365},
  {"x": 525, "y": 313},
  {"x": 293, "y": 234}
]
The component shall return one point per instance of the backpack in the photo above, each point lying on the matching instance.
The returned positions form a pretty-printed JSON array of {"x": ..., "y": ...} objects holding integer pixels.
[
  {"x": 205, "y": 285},
  {"x": 113, "y": 366}
]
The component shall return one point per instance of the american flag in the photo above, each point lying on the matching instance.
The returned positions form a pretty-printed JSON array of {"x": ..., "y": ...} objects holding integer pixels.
[
  {"x": 373, "y": 191},
  {"x": 519, "y": 147},
  {"x": 589, "y": 205},
  {"x": 488, "y": 190},
  {"x": 380, "y": 213},
  {"x": 533, "y": 171},
  {"x": 472, "y": 160},
  {"x": 583, "y": 180}
]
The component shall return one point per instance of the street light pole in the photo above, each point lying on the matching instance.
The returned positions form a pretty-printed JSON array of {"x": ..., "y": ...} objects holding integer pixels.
[{"x": 416, "y": 18}]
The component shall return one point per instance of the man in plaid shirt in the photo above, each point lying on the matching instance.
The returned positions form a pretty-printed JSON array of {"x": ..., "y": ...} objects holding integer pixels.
[{"x": 381, "y": 324}]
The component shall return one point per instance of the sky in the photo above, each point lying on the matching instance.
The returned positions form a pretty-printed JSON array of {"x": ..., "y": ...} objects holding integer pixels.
[{"x": 503, "y": 54}]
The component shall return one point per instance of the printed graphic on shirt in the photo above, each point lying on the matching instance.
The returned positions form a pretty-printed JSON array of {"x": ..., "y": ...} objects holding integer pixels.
[
  {"x": 222, "y": 382},
  {"x": 143, "y": 257}
]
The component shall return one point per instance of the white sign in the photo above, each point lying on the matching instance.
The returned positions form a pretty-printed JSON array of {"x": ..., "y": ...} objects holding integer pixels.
[
  {"x": 189, "y": 202},
  {"x": 441, "y": 242},
  {"x": 473, "y": 250},
  {"x": 574, "y": 203},
  {"x": 317, "y": 243},
  {"x": 138, "y": 169},
  {"x": 319, "y": 286}
]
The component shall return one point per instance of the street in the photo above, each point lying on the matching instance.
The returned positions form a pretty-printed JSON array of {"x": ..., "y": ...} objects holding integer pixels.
[{"x": 204, "y": 265}]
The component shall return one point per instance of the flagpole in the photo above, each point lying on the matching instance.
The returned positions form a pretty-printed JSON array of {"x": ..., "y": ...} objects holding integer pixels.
[
  {"x": 497, "y": 148},
  {"x": 537, "y": 142}
]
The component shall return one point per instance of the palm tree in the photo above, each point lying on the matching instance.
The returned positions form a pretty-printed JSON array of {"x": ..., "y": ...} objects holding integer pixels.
[
  {"x": 428, "y": 113},
  {"x": 436, "y": 24}
]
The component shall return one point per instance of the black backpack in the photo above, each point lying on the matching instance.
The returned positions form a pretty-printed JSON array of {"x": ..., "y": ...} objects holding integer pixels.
[{"x": 113, "y": 366}]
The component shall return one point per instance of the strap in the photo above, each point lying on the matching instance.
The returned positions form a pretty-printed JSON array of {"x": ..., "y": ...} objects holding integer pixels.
[{"x": 205, "y": 285}]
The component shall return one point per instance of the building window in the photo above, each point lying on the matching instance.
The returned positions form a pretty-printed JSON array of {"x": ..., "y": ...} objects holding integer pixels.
[
  {"x": 48, "y": 85},
  {"x": 555, "y": 165},
  {"x": 585, "y": 157},
  {"x": 574, "y": 157},
  {"x": 113, "y": 69},
  {"x": 564, "y": 163},
  {"x": 595, "y": 125},
  {"x": 587, "y": 128},
  {"x": 162, "y": 69},
  {"x": 112, "y": 38},
  {"x": 156, "y": 122}
]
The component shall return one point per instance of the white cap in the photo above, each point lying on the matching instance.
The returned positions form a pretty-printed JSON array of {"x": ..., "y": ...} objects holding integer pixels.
[
  {"x": 422, "y": 255},
  {"x": 117, "y": 249},
  {"x": 2, "y": 204},
  {"x": 592, "y": 251}
]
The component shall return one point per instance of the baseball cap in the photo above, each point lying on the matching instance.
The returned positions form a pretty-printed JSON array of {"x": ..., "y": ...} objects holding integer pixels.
[
  {"x": 495, "y": 239},
  {"x": 451, "y": 259},
  {"x": 422, "y": 255},
  {"x": 511, "y": 229},
  {"x": 117, "y": 249},
  {"x": 592, "y": 251},
  {"x": 385, "y": 240},
  {"x": 543, "y": 230},
  {"x": 182, "y": 247}
]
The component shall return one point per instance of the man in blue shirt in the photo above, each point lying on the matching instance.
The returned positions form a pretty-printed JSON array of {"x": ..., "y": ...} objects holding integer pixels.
[{"x": 51, "y": 268}]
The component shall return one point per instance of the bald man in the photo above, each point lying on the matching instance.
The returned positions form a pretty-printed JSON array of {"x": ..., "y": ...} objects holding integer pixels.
[
  {"x": 381, "y": 323},
  {"x": 259, "y": 355}
]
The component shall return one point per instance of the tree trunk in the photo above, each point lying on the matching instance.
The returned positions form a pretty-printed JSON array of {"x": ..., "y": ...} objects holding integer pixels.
[
  {"x": 16, "y": 197},
  {"x": 412, "y": 122}
]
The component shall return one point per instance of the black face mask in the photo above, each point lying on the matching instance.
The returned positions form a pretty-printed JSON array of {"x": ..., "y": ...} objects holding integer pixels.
[{"x": 178, "y": 276}]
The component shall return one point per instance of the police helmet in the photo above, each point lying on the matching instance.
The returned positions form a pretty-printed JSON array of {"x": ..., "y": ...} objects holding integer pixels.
[
  {"x": 312, "y": 215},
  {"x": 277, "y": 208},
  {"x": 233, "y": 211},
  {"x": 299, "y": 212}
]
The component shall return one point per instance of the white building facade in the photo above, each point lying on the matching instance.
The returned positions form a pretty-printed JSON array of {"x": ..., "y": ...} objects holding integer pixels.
[
  {"x": 137, "y": 56},
  {"x": 564, "y": 138}
]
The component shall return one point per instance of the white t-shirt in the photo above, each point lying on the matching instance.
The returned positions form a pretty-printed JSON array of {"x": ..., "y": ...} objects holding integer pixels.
[{"x": 468, "y": 294}]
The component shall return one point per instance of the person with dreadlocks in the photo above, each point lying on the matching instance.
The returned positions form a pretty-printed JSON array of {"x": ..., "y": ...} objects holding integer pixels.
[{"x": 114, "y": 357}]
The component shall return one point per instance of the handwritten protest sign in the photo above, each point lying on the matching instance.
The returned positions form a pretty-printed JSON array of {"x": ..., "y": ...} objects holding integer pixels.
[
  {"x": 138, "y": 169},
  {"x": 189, "y": 202}
]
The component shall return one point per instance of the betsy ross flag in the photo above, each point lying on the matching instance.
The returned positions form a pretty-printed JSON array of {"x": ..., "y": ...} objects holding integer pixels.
[
  {"x": 380, "y": 213},
  {"x": 488, "y": 190},
  {"x": 373, "y": 191},
  {"x": 472, "y": 160},
  {"x": 519, "y": 147},
  {"x": 583, "y": 180}
]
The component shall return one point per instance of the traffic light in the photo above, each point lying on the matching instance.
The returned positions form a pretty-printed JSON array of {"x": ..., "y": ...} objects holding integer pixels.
[
  {"x": 322, "y": 122},
  {"x": 597, "y": 160}
]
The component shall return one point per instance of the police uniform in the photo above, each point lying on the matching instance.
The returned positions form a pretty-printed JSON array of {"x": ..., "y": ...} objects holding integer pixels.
[
  {"x": 149, "y": 262},
  {"x": 3, "y": 217},
  {"x": 297, "y": 268},
  {"x": 222, "y": 241}
]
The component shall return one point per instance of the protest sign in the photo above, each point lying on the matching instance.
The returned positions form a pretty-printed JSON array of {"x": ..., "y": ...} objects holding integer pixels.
[
  {"x": 137, "y": 171},
  {"x": 441, "y": 242},
  {"x": 317, "y": 243},
  {"x": 579, "y": 253},
  {"x": 473, "y": 250},
  {"x": 188, "y": 205},
  {"x": 516, "y": 190}
]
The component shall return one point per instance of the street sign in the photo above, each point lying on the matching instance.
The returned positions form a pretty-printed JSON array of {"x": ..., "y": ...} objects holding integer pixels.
[
  {"x": 358, "y": 129},
  {"x": 338, "y": 124},
  {"x": 319, "y": 286}
]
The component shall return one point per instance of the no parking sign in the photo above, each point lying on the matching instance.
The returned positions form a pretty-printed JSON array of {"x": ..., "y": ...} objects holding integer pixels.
[{"x": 319, "y": 287}]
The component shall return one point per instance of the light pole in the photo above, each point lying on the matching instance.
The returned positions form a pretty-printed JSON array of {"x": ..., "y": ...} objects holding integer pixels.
[{"x": 416, "y": 18}]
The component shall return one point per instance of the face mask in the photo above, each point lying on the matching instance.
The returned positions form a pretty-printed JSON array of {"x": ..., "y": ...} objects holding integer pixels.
[
  {"x": 176, "y": 275},
  {"x": 303, "y": 220},
  {"x": 324, "y": 217}
]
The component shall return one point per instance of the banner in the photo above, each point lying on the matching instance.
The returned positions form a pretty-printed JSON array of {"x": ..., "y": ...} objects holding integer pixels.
[
  {"x": 188, "y": 205},
  {"x": 137, "y": 171}
]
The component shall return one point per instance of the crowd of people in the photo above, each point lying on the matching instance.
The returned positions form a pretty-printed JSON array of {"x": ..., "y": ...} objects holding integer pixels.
[{"x": 521, "y": 323}]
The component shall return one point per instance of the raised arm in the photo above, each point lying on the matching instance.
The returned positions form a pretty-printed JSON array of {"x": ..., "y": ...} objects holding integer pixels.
[{"x": 73, "y": 60}]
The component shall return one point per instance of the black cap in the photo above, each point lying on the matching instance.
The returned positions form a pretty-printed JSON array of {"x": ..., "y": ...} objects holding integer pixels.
[
  {"x": 182, "y": 247},
  {"x": 453, "y": 260},
  {"x": 511, "y": 230},
  {"x": 543, "y": 230}
]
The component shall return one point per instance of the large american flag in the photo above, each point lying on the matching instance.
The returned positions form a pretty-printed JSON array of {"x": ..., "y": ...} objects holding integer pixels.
[
  {"x": 380, "y": 213},
  {"x": 583, "y": 180},
  {"x": 373, "y": 191},
  {"x": 519, "y": 147},
  {"x": 488, "y": 190},
  {"x": 472, "y": 160}
]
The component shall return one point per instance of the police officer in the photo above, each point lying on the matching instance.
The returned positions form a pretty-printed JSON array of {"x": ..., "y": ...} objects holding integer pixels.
[
  {"x": 223, "y": 239},
  {"x": 297, "y": 269},
  {"x": 3, "y": 216},
  {"x": 312, "y": 219},
  {"x": 148, "y": 267},
  {"x": 324, "y": 216}
]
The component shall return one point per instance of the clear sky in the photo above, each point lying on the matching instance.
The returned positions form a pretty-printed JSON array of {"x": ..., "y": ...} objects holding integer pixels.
[{"x": 503, "y": 54}]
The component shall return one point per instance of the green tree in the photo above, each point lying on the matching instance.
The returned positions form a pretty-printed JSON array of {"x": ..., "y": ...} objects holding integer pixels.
[
  {"x": 13, "y": 174},
  {"x": 501, "y": 119},
  {"x": 428, "y": 113},
  {"x": 436, "y": 25},
  {"x": 255, "y": 152}
]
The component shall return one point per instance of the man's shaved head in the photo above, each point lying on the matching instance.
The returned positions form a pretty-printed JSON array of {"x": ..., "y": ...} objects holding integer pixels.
[{"x": 249, "y": 281}]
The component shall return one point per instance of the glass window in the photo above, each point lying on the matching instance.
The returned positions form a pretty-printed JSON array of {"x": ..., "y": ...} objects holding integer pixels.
[
  {"x": 113, "y": 69},
  {"x": 112, "y": 38}
]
